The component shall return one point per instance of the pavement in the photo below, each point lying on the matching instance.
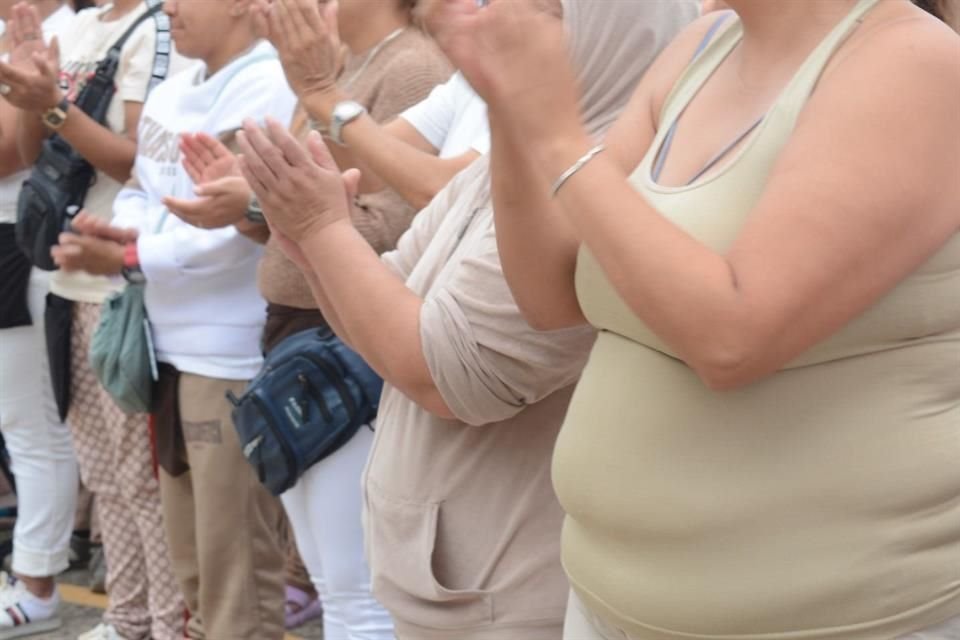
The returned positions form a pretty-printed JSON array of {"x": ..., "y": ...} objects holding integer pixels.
[{"x": 82, "y": 609}]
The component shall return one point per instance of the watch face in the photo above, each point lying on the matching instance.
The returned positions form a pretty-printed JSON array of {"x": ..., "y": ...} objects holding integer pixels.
[
  {"x": 346, "y": 111},
  {"x": 55, "y": 118}
]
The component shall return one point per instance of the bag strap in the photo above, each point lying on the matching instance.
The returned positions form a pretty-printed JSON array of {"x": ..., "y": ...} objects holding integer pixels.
[
  {"x": 107, "y": 68},
  {"x": 96, "y": 95}
]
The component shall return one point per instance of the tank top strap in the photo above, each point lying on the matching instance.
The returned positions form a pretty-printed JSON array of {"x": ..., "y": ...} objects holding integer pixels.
[
  {"x": 805, "y": 80},
  {"x": 722, "y": 37}
]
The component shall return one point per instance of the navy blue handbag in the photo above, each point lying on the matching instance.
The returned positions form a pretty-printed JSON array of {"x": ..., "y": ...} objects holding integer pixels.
[{"x": 309, "y": 399}]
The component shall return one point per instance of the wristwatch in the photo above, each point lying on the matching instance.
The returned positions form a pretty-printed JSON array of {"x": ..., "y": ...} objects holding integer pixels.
[
  {"x": 254, "y": 212},
  {"x": 131, "y": 270},
  {"x": 55, "y": 117},
  {"x": 343, "y": 114}
]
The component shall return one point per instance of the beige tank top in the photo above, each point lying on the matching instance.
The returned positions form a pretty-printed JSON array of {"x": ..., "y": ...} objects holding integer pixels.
[{"x": 822, "y": 502}]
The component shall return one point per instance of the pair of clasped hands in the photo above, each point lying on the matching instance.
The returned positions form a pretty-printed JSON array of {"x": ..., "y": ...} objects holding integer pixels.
[{"x": 498, "y": 47}]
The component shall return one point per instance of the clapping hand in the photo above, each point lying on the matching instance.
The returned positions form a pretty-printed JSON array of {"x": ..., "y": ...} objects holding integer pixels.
[
  {"x": 290, "y": 248},
  {"x": 92, "y": 246},
  {"x": 30, "y": 80},
  {"x": 222, "y": 193},
  {"x": 514, "y": 54},
  {"x": 307, "y": 40},
  {"x": 207, "y": 159},
  {"x": 90, "y": 225},
  {"x": 301, "y": 190}
]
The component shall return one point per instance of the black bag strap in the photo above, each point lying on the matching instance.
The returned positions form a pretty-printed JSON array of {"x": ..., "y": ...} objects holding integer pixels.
[
  {"x": 95, "y": 97},
  {"x": 109, "y": 65}
]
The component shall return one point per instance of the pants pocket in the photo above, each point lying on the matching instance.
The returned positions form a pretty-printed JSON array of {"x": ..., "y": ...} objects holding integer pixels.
[{"x": 402, "y": 537}]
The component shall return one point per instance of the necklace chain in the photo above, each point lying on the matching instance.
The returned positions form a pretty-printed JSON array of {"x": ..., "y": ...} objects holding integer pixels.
[{"x": 373, "y": 54}]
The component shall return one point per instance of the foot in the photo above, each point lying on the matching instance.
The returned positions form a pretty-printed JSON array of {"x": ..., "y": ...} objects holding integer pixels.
[
  {"x": 300, "y": 608},
  {"x": 24, "y": 614},
  {"x": 101, "y": 632}
]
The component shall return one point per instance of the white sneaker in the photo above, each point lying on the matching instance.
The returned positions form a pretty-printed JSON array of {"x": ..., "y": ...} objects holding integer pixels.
[
  {"x": 15, "y": 621},
  {"x": 101, "y": 632}
]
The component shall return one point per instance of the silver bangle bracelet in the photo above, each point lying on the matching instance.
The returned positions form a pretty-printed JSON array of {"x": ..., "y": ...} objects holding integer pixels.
[{"x": 579, "y": 164}]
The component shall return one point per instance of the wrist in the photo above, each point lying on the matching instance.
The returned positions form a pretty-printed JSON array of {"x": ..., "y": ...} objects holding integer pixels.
[
  {"x": 321, "y": 233},
  {"x": 55, "y": 116},
  {"x": 319, "y": 104},
  {"x": 130, "y": 263},
  {"x": 56, "y": 98},
  {"x": 130, "y": 257},
  {"x": 558, "y": 154}
]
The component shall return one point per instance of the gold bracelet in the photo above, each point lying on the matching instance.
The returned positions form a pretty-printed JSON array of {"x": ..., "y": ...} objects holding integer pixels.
[{"x": 579, "y": 164}]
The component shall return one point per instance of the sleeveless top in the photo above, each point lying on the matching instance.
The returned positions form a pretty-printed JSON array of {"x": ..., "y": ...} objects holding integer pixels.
[{"x": 822, "y": 502}]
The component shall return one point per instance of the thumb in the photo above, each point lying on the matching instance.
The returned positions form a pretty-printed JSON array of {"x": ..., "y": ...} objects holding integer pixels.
[
  {"x": 261, "y": 22},
  {"x": 351, "y": 182},
  {"x": 211, "y": 188},
  {"x": 319, "y": 152},
  {"x": 53, "y": 51}
]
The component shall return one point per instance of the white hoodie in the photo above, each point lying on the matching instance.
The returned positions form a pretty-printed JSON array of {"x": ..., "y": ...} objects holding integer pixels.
[{"x": 201, "y": 295}]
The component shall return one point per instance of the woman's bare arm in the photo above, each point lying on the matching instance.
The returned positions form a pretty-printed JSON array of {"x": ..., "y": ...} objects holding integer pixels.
[
  {"x": 858, "y": 200},
  {"x": 10, "y": 161},
  {"x": 395, "y": 153},
  {"x": 538, "y": 246},
  {"x": 109, "y": 152}
]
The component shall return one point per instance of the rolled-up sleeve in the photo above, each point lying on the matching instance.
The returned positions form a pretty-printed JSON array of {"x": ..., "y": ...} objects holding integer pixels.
[{"x": 486, "y": 361}]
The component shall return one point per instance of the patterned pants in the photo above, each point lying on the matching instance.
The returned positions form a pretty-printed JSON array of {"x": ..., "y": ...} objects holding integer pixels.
[{"x": 116, "y": 465}]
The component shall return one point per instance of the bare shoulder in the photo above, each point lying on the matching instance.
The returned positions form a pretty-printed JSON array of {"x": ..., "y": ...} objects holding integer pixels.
[
  {"x": 905, "y": 44},
  {"x": 886, "y": 113}
]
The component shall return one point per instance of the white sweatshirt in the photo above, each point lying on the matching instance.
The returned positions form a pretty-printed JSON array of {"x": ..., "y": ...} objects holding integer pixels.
[{"x": 201, "y": 294}]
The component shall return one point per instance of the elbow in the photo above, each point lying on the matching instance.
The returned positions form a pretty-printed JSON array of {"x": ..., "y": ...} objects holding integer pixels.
[
  {"x": 120, "y": 173},
  {"x": 422, "y": 390},
  {"x": 546, "y": 318},
  {"x": 721, "y": 376},
  {"x": 545, "y": 322},
  {"x": 729, "y": 365},
  {"x": 426, "y": 394}
]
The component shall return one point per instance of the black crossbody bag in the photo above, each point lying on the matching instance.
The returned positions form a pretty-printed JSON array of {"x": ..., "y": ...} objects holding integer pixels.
[{"x": 61, "y": 177}]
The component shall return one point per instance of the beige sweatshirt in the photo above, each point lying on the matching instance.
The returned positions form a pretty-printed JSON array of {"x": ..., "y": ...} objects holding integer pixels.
[{"x": 463, "y": 528}]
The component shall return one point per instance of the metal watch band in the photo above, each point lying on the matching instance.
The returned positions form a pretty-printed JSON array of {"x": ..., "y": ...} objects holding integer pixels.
[
  {"x": 254, "y": 212},
  {"x": 343, "y": 114}
]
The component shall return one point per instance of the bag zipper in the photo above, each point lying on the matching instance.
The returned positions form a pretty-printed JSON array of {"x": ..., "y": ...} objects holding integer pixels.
[
  {"x": 337, "y": 382},
  {"x": 277, "y": 432},
  {"x": 317, "y": 396}
]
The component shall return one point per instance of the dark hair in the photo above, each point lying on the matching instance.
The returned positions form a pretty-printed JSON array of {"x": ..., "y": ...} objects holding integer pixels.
[
  {"x": 81, "y": 4},
  {"x": 941, "y": 9}
]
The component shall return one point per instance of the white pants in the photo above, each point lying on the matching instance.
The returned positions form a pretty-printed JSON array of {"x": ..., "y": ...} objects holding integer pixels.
[
  {"x": 582, "y": 624},
  {"x": 40, "y": 447},
  {"x": 324, "y": 509}
]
